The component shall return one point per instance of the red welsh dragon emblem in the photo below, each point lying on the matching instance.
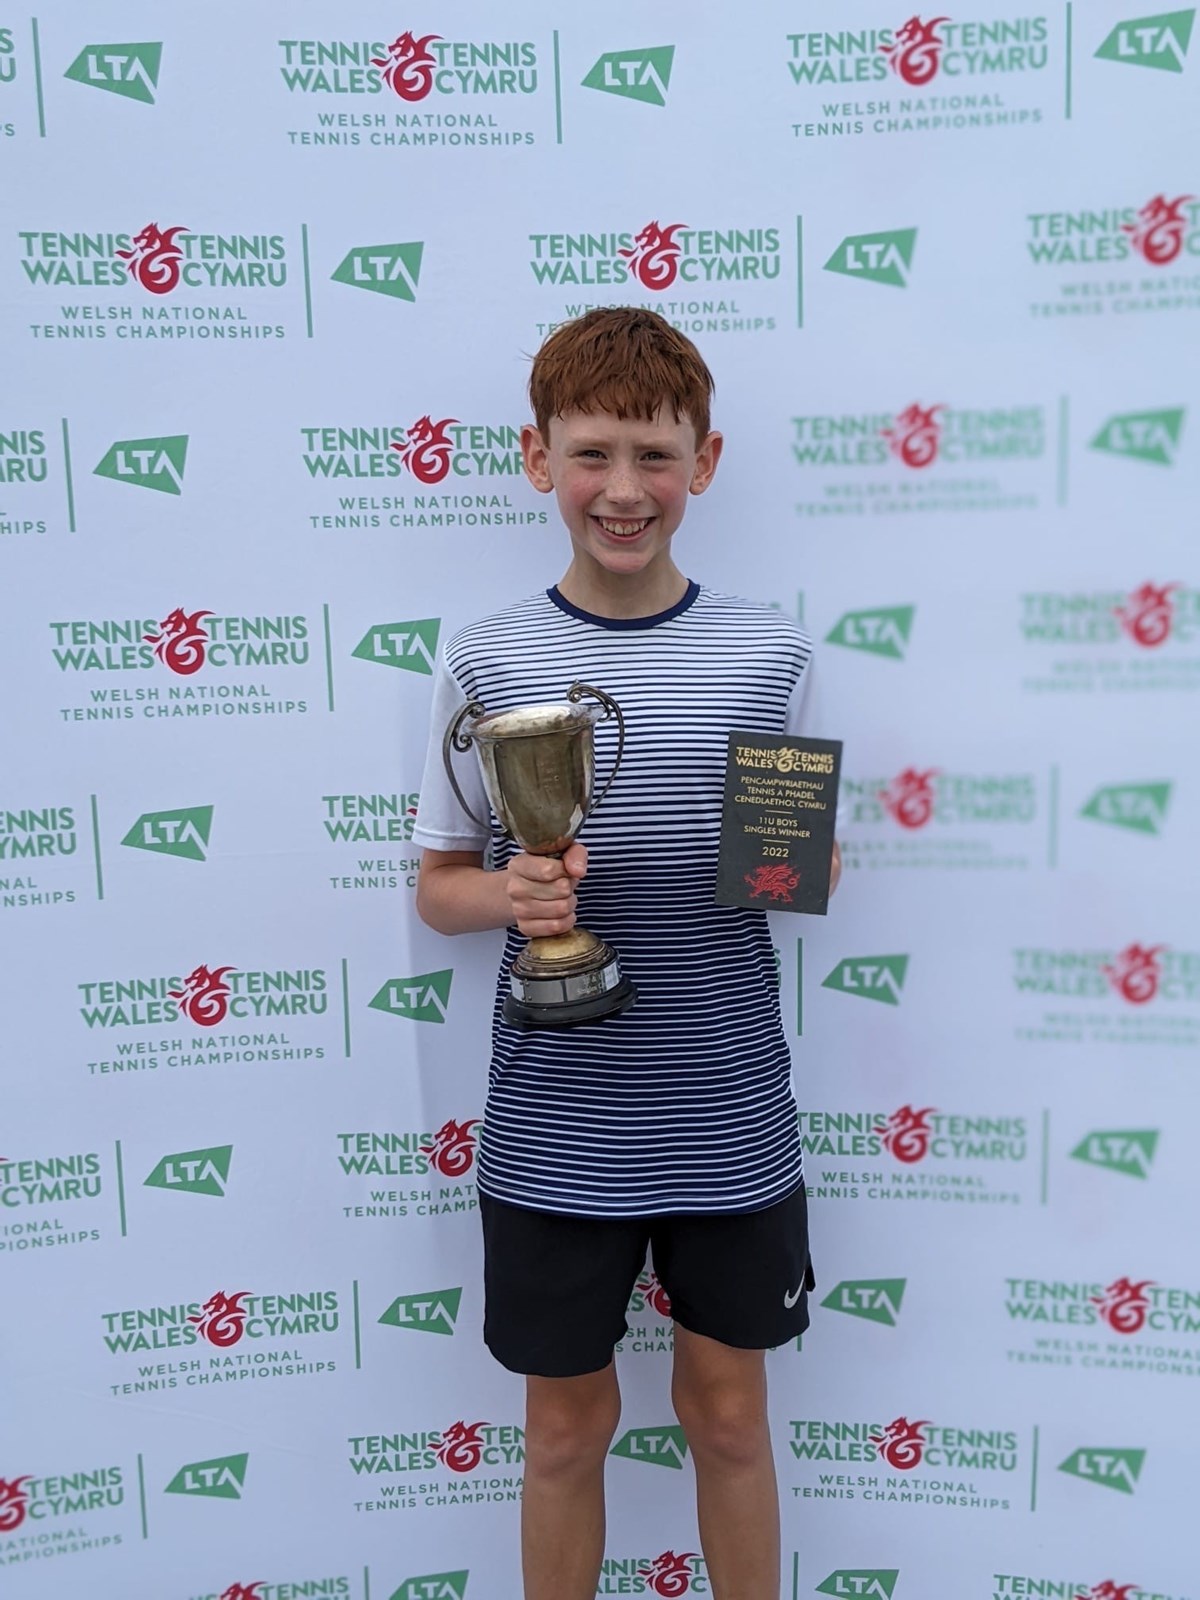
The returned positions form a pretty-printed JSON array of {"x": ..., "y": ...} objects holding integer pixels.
[
  {"x": 13, "y": 1502},
  {"x": 1135, "y": 972},
  {"x": 906, "y": 1134},
  {"x": 180, "y": 644},
  {"x": 655, "y": 1296},
  {"x": 461, "y": 1448},
  {"x": 222, "y": 1320},
  {"x": 408, "y": 66},
  {"x": 1124, "y": 1305},
  {"x": 910, "y": 797},
  {"x": 1108, "y": 1590},
  {"x": 204, "y": 998},
  {"x": 915, "y": 436},
  {"x": 453, "y": 1148},
  {"x": 670, "y": 1574},
  {"x": 154, "y": 259},
  {"x": 426, "y": 449},
  {"x": 901, "y": 1444},
  {"x": 915, "y": 53},
  {"x": 1158, "y": 232},
  {"x": 244, "y": 1591},
  {"x": 780, "y": 882},
  {"x": 1146, "y": 616},
  {"x": 654, "y": 258}
]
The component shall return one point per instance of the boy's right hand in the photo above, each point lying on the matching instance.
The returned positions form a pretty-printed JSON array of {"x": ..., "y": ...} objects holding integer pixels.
[{"x": 541, "y": 891}]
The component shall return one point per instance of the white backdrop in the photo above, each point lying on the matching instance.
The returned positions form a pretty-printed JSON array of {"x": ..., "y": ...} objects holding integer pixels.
[{"x": 954, "y": 368}]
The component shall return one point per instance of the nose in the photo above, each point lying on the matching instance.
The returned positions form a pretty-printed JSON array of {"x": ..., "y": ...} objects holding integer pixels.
[{"x": 622, "y": 487}]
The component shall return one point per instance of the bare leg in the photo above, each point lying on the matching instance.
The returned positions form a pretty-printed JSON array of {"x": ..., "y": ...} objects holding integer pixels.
[
  {"x": 569, "y": 1425},
  {"x": 720, "y": 1397}
]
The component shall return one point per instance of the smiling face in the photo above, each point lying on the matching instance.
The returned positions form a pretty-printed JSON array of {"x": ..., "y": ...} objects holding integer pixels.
[{"x": 621, "y": 483}]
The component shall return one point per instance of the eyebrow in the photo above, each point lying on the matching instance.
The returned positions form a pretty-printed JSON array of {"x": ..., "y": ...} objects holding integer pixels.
[{"x": 591, "y": 443}]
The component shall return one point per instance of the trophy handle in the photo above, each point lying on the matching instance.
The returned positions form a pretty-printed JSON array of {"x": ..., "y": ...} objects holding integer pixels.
[
  {"x": 580, "y": 691},
  {"x": 454, "y": 740}
]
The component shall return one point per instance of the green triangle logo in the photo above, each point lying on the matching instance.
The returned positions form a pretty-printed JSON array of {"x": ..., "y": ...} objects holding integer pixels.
[
  {"x": 867, "y": 1583},
  {"x": 1109, "y": 1469},
  {"x": 434, "y": 1586},
  {"x": 391, "y": 269},
  {"x": 1160, "y": 42},
  {"x": 436, "y": 1312},
  {"x": 425, "y": 998},
  {"x": 1140, "y": 807},
  {"x": 870, "y": 977},
  {"x": 1142, "y": 435},
  {"x": 182, "y": 833},
  {"x": 126, "y": 69},
  {"x": 194, "y": 1171},
  {"x": 1127, "y": 1150},
  {"x": 883, "y": 632},
  {"x": 411, "y": 646},
  {"x": 873, "y": 1299},
  {"x": 634, "y": 74},
  {"x": 876, "y": 257},
  {"x": 222, "y": 1478},
  {"x": 147, "y": 463},
  {"x": 660, "y": 1447}
]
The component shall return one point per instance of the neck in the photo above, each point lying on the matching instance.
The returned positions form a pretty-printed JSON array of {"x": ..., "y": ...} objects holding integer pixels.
[{"x": 593, "y": 588}]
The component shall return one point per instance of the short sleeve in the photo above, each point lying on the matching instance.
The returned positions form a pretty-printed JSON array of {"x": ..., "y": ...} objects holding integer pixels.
[
  {"x": 442, "y": 824},
  {"x": 804, "y": 718}
]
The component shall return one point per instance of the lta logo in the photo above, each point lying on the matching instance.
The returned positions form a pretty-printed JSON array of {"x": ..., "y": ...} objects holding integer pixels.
[
  {"x": 181, "y": 642},
  {"x": 915, "y": 435},
  {"x": 154, "y": 260},
  {"x": 654, "y": 255},
  {"x": 902, "y": 1443},
  {"x": 916, "y": 51}
]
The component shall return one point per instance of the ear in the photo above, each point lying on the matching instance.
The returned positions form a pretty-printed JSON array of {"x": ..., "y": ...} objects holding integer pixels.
[
  {"x": 535, "y": 456},
  {"x": 707, "y": 457}
]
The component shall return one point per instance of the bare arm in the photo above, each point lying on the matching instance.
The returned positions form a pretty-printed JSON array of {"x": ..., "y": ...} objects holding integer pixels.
[{"x": 456, "y": 895}]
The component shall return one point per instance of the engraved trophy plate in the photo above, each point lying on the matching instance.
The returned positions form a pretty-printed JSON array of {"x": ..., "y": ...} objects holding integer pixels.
[{"x": 539, "y": 768}]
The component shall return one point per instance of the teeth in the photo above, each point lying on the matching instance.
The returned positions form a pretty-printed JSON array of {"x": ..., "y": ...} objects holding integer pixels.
[{"x": 623, "y": 528}]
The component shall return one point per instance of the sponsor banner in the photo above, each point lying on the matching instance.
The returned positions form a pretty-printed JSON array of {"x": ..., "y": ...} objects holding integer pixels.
[
  {"x": 380, "y": 1169},
  {"x": 1130, "y": 1325},
  {"x": 712, "y": 276},
  {"x": 214, "y": 1016},
  {"x": 938, "y": 819},
  {"x": 354, "y": 825},
  {"x": 198, "y": 666},
  {"x": 1111, "y": 641},
  {"x": 464, "y": 1464},
  {"x": 910, "y": 1463},
  {"x": 416, "y": 92},
  {"x": 70, "y": 1507},
  {"x": 939, "y": 78},
  {"x": 1139, "y": 257},
  {"x": 228, "y": 1338},
  {"x": 924, "y": 1154},
  {"x": 927, "y": 456},
  {"x": 218, "y": 282},
  {"x": 670, "y": 1573},
  {"x": 49, "y": 854},
  {"x": 434, "y": 472},
  {"x": 51, "y": 1199},
  {"x": 1141, "y": 997},
  {"x": 36, "y": 494}
]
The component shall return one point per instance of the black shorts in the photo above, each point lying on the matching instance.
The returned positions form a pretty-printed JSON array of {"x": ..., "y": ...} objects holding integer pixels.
[{"x": 557, "y": 1288}]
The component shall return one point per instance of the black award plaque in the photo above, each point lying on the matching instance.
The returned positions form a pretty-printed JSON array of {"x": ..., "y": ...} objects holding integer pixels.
[{"x": 777, "y": 822}]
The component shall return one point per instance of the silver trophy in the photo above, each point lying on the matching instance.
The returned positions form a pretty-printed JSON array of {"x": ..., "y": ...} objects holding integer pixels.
[{"x": 539, "y": 768}]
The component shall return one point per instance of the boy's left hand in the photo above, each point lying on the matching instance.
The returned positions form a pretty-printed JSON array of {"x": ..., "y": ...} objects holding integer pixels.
[{"x": 835, "y": 870}]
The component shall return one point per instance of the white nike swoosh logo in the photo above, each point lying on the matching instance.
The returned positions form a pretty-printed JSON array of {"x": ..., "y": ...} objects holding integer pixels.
[{"x": 789, "y": 1300}]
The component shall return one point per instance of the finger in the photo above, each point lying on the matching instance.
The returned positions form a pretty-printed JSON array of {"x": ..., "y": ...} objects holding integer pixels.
[
  {"x": 545, "y": 927},
  {"x": 537, "y": 869},
  {"x": 575, "y": 860}
]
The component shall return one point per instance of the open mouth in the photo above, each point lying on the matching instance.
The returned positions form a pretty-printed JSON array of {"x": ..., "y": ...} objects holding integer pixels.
[{"x": 623, "y": 527}]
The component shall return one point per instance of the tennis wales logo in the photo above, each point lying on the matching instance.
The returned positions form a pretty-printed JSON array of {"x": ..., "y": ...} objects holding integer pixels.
[
  {"x": 902, "y": 1443},
  {"x": 29, "y": 1498},
  {"x": 909, "y": 798},
  {"x": 1160, "y": 42},
  {"x": 181, "y": 642},
  {"x": 1124, "y": 1306},
  {"x": 204, "y": 997},
  {"x": 671, "y": 1574},
  {"x": 916, "y": 435},
  {"x": 915, "y": 53},
  {"x": 1147, "y": 615},
  {"x": 154, "y": 260},
  {"x": 654, "y": 255},
  {"x": 1135, "y": 973},
  {"x": 130, "y": 70},
  {"x": 427, "y": 448},
  {"x": 408, "y": 66},
  {"x": 1157, "y": 233},
  {"x": 634, "y": 74}
]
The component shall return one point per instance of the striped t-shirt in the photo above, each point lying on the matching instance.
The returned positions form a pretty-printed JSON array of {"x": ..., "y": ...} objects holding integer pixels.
[{"x": 684, "y": 1102}]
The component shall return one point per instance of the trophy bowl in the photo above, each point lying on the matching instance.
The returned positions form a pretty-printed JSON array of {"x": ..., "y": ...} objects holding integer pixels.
[{"x": 539, "y": 770}]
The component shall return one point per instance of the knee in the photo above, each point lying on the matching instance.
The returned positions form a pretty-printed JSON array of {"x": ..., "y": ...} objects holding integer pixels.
[
  {"x": 729, "y": 1428},
  {"x": 568, "y": 1432}
]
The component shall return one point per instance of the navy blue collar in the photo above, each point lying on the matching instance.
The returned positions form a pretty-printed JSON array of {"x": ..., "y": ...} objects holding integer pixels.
[{"x": 680, "y": 606}]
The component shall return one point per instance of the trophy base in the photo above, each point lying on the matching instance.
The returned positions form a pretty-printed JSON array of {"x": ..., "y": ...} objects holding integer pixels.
[{"x": 566, "y": 980}]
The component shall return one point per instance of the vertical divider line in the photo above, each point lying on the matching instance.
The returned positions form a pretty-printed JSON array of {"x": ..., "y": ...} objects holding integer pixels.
[
  {"x": 96, "y": 848},
  {"x": 357, "y": 1332},
  {"x": 346, "y": 1006},
  {"x": 328, "y": 655},
  {"x": 1064, "y": 447},
  {"x": 1034, "y": 1473},
  {"x": 1068, "y": 60},
  {"x": 121, "y": 1187},
  {"x": 558, "y": 139},
  {"x": 307, "y": 278},
  {"x": 800, "y": 988},
  {"x": 37, "y": 78},
  {"x": 799, "y": 272},
  {"x": 66, "y": 438},
  {"x": 1045, "y": 1155},
  {"x": 142, "y": 1495},
  {"x": 1052, "y": 843}
]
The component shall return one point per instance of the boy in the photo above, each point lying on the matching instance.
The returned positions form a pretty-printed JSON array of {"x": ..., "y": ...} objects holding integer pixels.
[{"x": 673, "y": 1124}]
